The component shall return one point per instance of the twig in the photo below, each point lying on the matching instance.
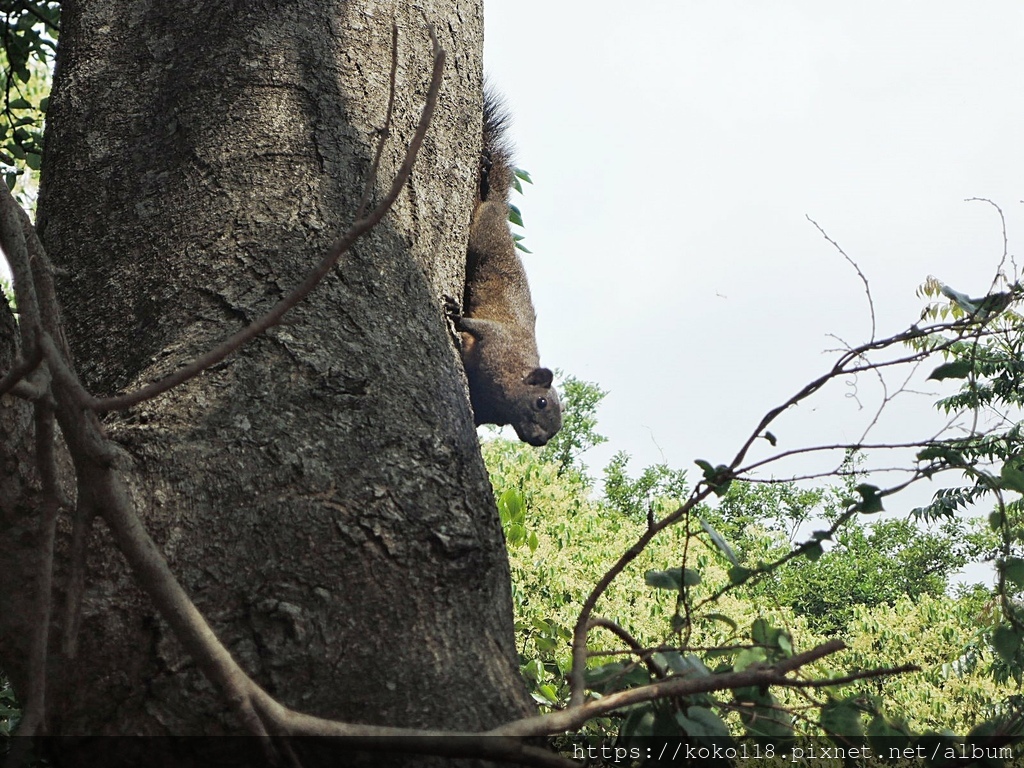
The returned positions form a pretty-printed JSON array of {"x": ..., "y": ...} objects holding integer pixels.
[
  {"x": 385, "y": 130},
  {"x": 863, "y": 279},
  {"x": 644, "y": 654}
]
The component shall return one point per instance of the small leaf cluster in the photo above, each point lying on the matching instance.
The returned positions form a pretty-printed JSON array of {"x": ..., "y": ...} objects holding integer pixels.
[
  {"x": 29, "y": 44},
  {"x": 514, "y": 214}
]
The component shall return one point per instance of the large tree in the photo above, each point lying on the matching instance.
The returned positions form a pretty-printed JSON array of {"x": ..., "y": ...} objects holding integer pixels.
[{"x": 319, "y": 493}]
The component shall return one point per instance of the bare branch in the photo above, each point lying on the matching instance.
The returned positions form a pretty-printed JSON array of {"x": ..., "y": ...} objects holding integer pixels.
[
  {"x": 574, "y": 717},
  {"x": 1006, "y": 242},
  {"x": 385, "y": 130},
  {"x": 644, "y": 654},
  {"x": 863, "y": 279}
]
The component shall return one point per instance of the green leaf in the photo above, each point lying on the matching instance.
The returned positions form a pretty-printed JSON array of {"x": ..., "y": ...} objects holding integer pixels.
[
  {"x": 995, "y": 520},
  {"x": 548, "y": 693},
  {"x": 615, "y": 677},
  {"x": 943, "y": 452},
  {"x": 512, "y": 507},
  {"x": 672, "y": 578},
  {"x": 518, "y": 239},
  {"x": 718, "y": 478},
  {"x": 882, "y": 736},
  {"x": 759, "y": 631},
  {"x": 1011, "y": 477},
  {"x": 521, "y": 174},
  {"x": 718, "y": 541},
  {"x": 958, "y": 369},
  {"x": 20, "y": 104},
  {"x": 842, "y": 718},
  {"x": 813, "y": 551},
  {"x": 33, "y": 160},
  {"x": 1013, "y": 571},
  {"x": 1006, "y": 642},
  {"x": 870, "y": 500},
  {"x": 516, "y": 535},
  {"x": 770, "y": 438},
  {"x": 784, "y": 643},
  {"x": 639, "y": 724},
  {"x": 705, "y": 726},
  {"x": 541, "y": 625},
  {"x": 515, "y": 216},
  {"x": 748, "y": 657},
  {"x": 738, "y": 574},
  {"x": 722, "y": 618}
]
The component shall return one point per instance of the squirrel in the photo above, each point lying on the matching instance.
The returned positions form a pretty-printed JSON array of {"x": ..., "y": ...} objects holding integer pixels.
[{"x": 497, "y": 319}]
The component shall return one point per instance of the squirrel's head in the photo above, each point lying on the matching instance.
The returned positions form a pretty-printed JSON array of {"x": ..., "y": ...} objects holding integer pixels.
[{"x": 538, "y": 412}]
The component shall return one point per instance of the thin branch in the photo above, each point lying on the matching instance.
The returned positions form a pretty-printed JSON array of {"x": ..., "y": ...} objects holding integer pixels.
[
  {"x": 800, "y": 550},
  {"x": 867, "y": 286},
  {"x": 644, "y": 654},
  {"x": 577, "y": 683},
  {"x": 1006, "y": 242},
  {"x": 359, "y": 228},
  {"x": 385, "y": 130},
  {"x": 853, "y": 677},
  {"x": 31, "y": 8}
]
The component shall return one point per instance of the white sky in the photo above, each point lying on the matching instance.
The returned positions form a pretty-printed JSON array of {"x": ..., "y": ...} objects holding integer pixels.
[{"x": 676, "y": 148}]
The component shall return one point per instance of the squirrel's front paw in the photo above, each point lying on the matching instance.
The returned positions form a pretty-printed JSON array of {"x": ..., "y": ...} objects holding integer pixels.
[{"x": 452, "y": 308}]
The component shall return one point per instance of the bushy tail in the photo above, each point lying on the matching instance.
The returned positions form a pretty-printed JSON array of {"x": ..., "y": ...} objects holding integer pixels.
[{"x": 496, "y": 164}]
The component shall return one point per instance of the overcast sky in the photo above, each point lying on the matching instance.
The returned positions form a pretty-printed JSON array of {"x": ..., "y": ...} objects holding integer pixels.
[{"x": 677, "y": 149}]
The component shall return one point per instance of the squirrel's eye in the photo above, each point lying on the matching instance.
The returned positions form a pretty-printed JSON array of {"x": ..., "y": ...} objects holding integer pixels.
[{"x": 542, "y": 403}]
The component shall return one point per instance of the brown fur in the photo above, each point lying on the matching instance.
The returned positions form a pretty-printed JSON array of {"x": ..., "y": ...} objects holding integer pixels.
[{"x": 499, "y": 346}]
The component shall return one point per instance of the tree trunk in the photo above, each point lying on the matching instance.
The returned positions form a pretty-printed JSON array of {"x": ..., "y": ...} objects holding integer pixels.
[{"x": 320, "y": 494}]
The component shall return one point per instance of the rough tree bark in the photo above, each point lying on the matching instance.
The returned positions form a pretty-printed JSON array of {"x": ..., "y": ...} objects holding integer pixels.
[{"x": 320, "y": 494}]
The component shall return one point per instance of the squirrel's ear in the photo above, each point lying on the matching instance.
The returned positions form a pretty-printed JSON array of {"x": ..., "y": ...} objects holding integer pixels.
[{"x": 540, "y": 377}]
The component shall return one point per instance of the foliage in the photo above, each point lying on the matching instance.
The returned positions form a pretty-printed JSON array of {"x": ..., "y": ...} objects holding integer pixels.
[
  {"x": 987, "y": 357},
  {"x": 883, "y": 585},
  {"x": 514, "y": 214},
  {"x": 657, "y": 490},
  {"x": 29, "y": 43},
  {"x": 579, "y": 422},
  {"x": 8, "y": 294}
]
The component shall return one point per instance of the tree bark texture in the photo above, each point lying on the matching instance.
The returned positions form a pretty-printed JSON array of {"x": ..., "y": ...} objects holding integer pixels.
[{"x": 320, "y": 494}]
